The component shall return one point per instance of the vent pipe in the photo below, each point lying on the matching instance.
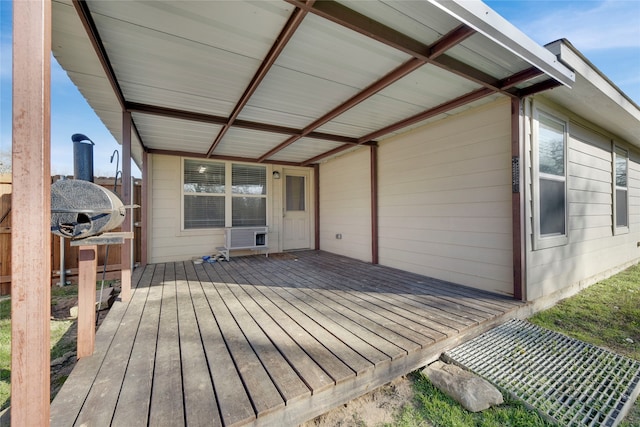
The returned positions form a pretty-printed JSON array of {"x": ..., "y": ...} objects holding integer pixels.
[{"x": 82, "y": 157}]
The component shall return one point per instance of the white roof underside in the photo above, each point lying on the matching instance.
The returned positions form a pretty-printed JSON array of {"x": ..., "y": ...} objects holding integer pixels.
[{"x": 198, "y": 58}]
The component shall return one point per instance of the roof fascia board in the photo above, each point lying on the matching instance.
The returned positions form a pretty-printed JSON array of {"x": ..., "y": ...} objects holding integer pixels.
[
  {"x": 486, "y": 21},
  {"x": 570, "y": 56}
]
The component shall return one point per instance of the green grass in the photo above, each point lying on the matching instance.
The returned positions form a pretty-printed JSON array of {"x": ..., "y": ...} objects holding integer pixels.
[
  {"x": 5, "y": 353},
  {"x": 58, "y": 346},
  {"x": 606, "y": 314},
  {"x": 432, "y": 407}
]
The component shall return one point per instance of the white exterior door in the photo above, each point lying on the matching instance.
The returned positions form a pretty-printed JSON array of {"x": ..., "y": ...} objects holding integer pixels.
[{"x": 296, "y": 221}]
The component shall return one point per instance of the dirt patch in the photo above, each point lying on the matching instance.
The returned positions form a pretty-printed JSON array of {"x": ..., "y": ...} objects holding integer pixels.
[
  {"x": 379, "y": 407},
  {"x": 66, "y": 347}
]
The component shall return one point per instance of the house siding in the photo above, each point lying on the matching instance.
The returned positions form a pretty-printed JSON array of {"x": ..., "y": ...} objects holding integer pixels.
[
  {"x": 167, "y": 241},
  {"x": 445, "y": 199},
  {"x": 345, "y": 205},
  {"x": 593, "y": 250}
]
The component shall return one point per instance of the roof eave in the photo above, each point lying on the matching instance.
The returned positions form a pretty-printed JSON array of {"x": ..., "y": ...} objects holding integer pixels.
[
  {"x": 595, "y": 97},
  {"x": 488, "y": 22}
]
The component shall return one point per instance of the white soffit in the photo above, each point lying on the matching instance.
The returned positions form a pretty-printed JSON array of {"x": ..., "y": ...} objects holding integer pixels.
[
  {"x": 409, "y": 17},
  {"x": 162, "y": 133},
  {"x": 248, "y": 143},
  {"x": 322, "y": 66},
  {"x": 453, "y": 112},
  {"x": 73, "y": 51},
  {"x": 151, "y": 64},
  {"x": 425, "y": 88},
  {"x": 200, "y": 56},
  {"x": 304, "y": 149}
]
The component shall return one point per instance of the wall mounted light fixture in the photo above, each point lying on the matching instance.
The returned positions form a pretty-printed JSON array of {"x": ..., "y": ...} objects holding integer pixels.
[{"x": 276, "y": 175}]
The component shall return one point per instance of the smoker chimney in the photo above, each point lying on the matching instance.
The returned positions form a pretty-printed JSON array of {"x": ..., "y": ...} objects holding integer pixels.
[{"x": 82, "y": 157}]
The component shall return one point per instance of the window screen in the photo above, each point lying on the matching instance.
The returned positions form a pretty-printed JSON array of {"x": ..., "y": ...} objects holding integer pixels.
[
  {"x": 208, "y": 200},
  {"x": 621, "y": 201},
  {"x": 549, "y": 173},
  {"x": 203, "y": 211},
  {"x": 552, "y": 179},
  {"x": 249, "y": 202},
  {"x": 203, "y": 187}
]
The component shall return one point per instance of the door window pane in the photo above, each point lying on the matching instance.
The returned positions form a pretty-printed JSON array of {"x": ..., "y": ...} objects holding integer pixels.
[{"x": 295, "y": 193}]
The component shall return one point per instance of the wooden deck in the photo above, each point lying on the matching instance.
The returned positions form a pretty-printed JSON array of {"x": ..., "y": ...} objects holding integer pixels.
[{"x": 265, "y": 341}]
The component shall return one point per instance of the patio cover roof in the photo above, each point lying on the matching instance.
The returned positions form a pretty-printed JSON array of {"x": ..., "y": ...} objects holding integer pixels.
[{"x": 290, "y": 82}]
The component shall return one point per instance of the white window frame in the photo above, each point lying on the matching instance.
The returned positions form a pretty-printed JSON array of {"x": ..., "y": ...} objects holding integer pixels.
[
  {"x": 228, "y": 194},
  {"x": 552, "y": 240},
  {"x": 618, "y": 151}
]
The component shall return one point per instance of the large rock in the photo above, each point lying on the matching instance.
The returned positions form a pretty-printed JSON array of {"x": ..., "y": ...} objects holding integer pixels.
[{"x": 472, "y": 392}]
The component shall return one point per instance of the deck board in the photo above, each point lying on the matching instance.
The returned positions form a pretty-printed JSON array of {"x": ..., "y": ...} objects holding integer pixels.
[
  {"x": 199, "y": 397},
  {"x": 133, "y": 403},
  {"x": 166, "y": 397},
  {"x": 265, "y": 341},
  {"x": 233, "y": 400}
]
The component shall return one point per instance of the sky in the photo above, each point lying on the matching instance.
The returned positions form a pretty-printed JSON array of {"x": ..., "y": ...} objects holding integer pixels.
[{"x": 607, "y": 32}]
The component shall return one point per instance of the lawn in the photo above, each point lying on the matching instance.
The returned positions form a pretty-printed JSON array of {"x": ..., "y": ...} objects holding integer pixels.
[
  {"x": 606, "y": 314},
  {"x": 60, "y": 345}
]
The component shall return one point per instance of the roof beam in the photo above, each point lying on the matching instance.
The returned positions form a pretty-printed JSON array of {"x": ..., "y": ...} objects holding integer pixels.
[
  {"x": 442, "y": 108},
  {"x": 366, "y": 93},
  {"x": 155, "y": 110},
  {"x": 327, "y": 154},
  {"x": 449, "y": 105},
  {"x": 436, "y": 49},
  {"x": 285, "y": 35},
  {"x": 82, "y": 9},
  {"x": 225, "y": 158},
  {"x": 520, "y": 77},
  {"x": 539, "y": 87},
  {"x": 355, "y": 21}
]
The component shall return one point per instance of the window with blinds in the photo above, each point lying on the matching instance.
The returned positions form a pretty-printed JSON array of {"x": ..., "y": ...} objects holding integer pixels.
[
  {"x": 209, "y": 202},
  {"x": 249, "y": 195},
  {"x": 204, "y": 194}
]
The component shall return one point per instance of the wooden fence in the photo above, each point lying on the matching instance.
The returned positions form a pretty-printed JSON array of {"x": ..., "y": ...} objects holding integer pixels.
[{"x": 70, "y": 253}]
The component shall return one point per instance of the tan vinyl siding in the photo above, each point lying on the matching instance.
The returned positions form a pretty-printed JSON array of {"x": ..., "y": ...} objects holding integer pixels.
[
  {"x": 445, "y": 200},
  {"x": 345, "y": 205},
  {"x": 593, "y": 251},
  {"x": 168, "y": 242}
]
